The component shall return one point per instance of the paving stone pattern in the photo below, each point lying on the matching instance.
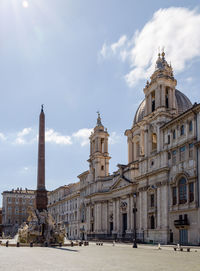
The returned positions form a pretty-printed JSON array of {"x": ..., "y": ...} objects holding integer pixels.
[{"x": 98, "y": 258}]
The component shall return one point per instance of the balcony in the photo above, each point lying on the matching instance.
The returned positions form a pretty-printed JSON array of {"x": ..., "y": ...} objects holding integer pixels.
[{"x": 180, "y": 223}]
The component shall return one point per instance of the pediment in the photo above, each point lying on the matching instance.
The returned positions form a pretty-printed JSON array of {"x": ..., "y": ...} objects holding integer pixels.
[{"x": 121, "y": 182}]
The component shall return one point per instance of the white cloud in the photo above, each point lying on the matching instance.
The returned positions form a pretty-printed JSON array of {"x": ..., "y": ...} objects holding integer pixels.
[
  {"x": 114, "y": 138},
  {"x": 29, "y": 136},
  {"x": 82, "y": 135},
  {"x": 104, "y": 49},
  {"x": 177, "y": 29},
  {"x": 21, "y": 136},
  {"x": 55, "y": 137},
  {"x": 2, "y": 137},
  {"x": 118, "y": 44}
]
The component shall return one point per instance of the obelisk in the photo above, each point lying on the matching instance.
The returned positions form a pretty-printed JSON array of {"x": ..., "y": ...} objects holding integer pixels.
[{"x": 41, "y": 193}]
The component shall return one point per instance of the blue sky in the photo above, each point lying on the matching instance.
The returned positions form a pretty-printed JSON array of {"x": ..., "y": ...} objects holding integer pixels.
[{"x": 77, "y": 57}]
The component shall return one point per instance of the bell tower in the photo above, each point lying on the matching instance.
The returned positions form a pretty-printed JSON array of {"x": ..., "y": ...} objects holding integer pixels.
[
  {"x": 99, "y": 156},
  {"x": 160, "y": 92}
]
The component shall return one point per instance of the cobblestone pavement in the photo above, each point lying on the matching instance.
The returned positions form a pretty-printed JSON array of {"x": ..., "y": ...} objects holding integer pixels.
[{"x": 98, "y": 258}]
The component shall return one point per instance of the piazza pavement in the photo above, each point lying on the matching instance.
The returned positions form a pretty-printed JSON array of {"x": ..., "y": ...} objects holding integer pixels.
[{"x": 120, "y": 257}]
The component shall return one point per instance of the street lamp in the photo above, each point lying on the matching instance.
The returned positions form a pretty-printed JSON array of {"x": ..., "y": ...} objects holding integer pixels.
[{"x": 134, "y": 230}]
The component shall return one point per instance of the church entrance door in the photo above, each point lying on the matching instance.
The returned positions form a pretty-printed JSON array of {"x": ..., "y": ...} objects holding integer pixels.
[{"x": 183, "y": 236}]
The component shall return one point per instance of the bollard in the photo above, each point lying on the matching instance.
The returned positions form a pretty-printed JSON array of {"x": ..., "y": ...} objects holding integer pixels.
[
  {"x": 7, "y": 243},
  {"x": 159, "y": 247},
  {"x": 72, "y": 244},
  {"x": 31, "y": 244},
  {"x": 113, "y": 243},
  {"x": 17, "y": 244},
  {"x": 46, "y": 244},
  {"x": 60, "y": 244}
]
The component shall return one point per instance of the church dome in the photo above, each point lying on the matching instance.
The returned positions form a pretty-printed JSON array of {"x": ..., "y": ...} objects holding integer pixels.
[{"x": 182, "y": 104}]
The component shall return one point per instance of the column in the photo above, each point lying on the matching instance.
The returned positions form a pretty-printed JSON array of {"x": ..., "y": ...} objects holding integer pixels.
[
  {"x": 162, "y": 95},
  {"x": 173, "y": 98},
  {"x": 90, "y": 147},
  {"x": 140, "y": 211},
  {"x": 165, "y": 206},
  {"x": 142, "y": 142},
  {"x": 157, "y": 97},
  {"x": 158, "y": 207},
  {"x": 106, "y": 145},
  {"x": 170, "y": 98},
  {"x": 145, "y": 209},
  {"x": 114, "y": 216},
  {"x": 146, "y": 142},
  {"x": 158, "y": 138},
  {"x": 129, "y": 213},
  {"x": 118, "y": 215},
  {"x": 99, "y": 145},
  {"x": 105, "y": 217},
  {"x": 88, "y": 208},
  {"x": 95, "y": 218},
  {"x": 96, "y": 144},
  {"x": 130, "y": 150}
]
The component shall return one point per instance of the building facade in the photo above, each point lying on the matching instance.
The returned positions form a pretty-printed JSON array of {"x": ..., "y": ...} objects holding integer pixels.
[
  {"x": 15, "y": 209},
  {"x": 63, "y": 205},
  {"x": 0, "y": 222},
  {"x": 161, "y": 179}
]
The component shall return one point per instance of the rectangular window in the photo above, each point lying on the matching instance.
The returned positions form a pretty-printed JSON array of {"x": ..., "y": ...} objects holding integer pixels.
[
  {"x": 191, "y": 192},
  {"x": 174, "y": 196},
  {"x": 174, "y": 157},
  {"x": 182, "y": 130},
  {"x": 168, "y": 139},
  {"x": 174, "y": 134},
  {"x": 191, "y": 148},
  {"x": 182, "y": 153},
  {"x": 153, "y": 101},
  {"x": 152, "y": 200},
  {"x": 190, "y": 126},
  {"x": 9, "y": 209}
]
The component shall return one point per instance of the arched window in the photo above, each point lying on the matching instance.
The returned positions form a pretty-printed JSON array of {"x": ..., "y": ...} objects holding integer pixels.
[
  {"x": 154, "y": 142},
  {"x": 182, "y": 191}
]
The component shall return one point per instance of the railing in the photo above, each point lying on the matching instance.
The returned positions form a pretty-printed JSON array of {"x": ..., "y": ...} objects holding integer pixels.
[{"x": 181, "y": 222}]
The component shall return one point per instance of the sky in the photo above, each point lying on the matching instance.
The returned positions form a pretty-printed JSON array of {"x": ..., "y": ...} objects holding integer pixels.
[{"x": 77, "y": 57}]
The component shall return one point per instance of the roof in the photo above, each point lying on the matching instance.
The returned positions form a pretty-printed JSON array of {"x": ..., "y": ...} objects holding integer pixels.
[
  {"x": 182, "y": 104},
  {"x": 20, "y": 191}
]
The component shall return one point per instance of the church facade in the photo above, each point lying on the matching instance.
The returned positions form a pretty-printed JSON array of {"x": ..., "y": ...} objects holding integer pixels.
[{"x": 156, "y": 195}]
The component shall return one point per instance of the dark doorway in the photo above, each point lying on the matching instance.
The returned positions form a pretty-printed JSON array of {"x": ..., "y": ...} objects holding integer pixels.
[
  {"x": 152, "y": 222},
  {"x": 83, "y": 236},
  {"x": 171, "y": 237},
  {"x": 124, "y": 223},
  {"x": 111, "y": 227}
]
